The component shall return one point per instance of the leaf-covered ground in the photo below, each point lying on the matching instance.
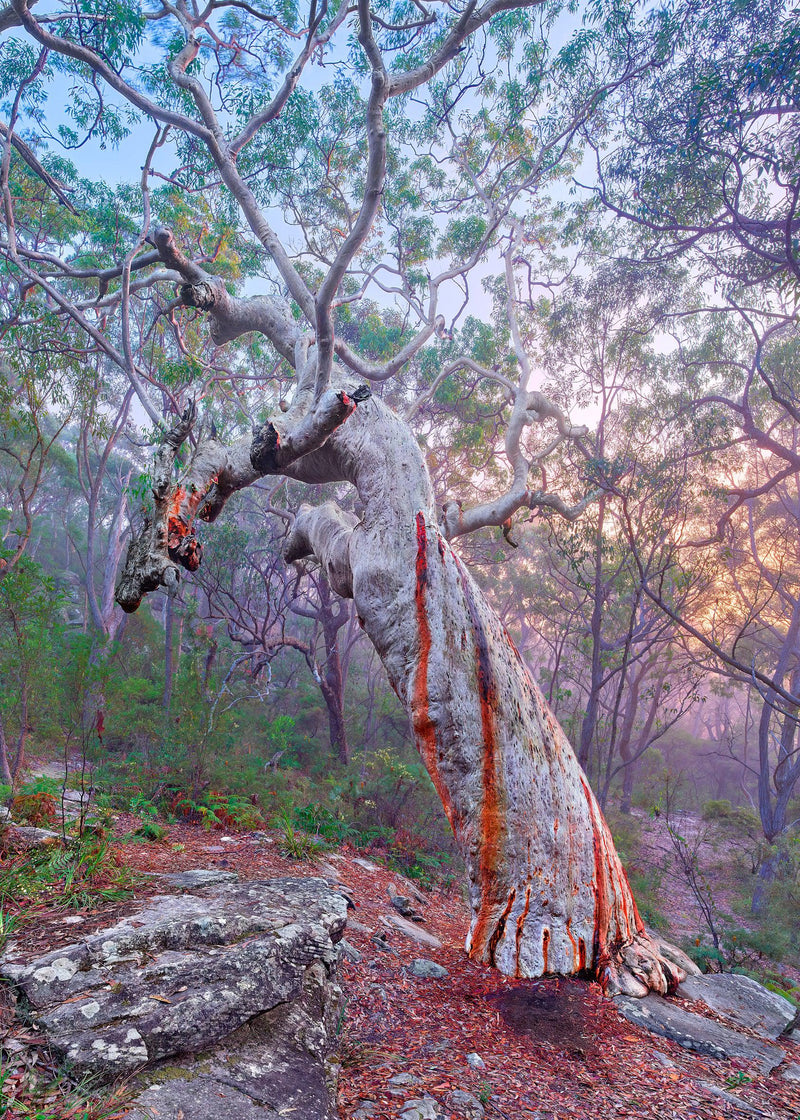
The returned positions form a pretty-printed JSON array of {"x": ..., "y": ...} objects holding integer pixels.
[{"x": 551, "y": 1049}]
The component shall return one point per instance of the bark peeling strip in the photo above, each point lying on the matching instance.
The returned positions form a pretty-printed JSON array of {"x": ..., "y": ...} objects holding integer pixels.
[{"x": 500, "y": 928}]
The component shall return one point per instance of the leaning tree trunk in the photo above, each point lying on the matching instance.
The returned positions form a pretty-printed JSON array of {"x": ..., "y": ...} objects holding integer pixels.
[{"x": 547, "y": 891}]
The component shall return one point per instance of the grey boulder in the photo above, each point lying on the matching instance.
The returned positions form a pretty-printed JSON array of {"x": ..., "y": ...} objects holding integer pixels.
[
  {"x": 742, "y": 1001},
  {"x": 241, "y": 974},
  {"x": 427, "y": 970},
  {"x": 465, "y": 1104},
  {"x": 421, "y": 1108}
]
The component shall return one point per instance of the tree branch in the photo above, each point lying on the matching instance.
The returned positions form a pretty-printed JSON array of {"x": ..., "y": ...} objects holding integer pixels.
[
  {"x": 373, "y": 190},
  {"x": 37, "y": 168},
  {"x": 230, "y": 317},
  {"x": 92, "y": 59}
]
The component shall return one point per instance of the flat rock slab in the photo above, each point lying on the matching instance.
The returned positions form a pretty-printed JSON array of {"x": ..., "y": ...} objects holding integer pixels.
[
  {"x": 722, "y": 1095},
  {"x": 181, "y": 977},
  {"x": 412, "y": 931},
  {"x": 742, "y": 1001},
  {"x": 328, "y": 870},
  {"x": 695, "y": 1032},
  {"x": 274, "y": 1066},
  {"x": 41, "y": 837},
  {"x": 365, "y": 863},
  {"x": 196, "y": 1097},
  {"x": 196, "y": 878}
]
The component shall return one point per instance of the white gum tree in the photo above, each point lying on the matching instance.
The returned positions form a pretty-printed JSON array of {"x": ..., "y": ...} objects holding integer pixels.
[{"x": 434, "y": 142}]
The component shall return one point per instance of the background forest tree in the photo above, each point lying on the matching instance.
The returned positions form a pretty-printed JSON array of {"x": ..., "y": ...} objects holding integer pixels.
[{"x": 601, "y": 210}]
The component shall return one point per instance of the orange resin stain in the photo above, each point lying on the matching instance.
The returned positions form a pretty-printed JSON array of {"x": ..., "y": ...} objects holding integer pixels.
[
  {"x": 350, "y": 404},
  {"x": 176, "y": 527},
  {"x": 545, "y": 947},
  {"x": 500, "y": 928},
  {"x": 606, "y": 863},
  {"x": 181, "y": 542},
  {"x": 637, "y": 918},
  {"x": 575, "y": 959},
  {"x": 521, "y": 924},
  {"x": 424, "y": 729},
  {"x": 492, "y": 822},
  {"x": 602, "y": 916}
]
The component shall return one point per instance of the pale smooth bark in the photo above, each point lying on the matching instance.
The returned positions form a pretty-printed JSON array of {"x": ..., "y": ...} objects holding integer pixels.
[{"x": 547, "y": 890}]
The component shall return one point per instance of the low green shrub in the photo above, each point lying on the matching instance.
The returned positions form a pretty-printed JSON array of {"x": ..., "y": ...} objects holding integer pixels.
[
  {"x": 295, "y": 843},
  {"x": 410, "y": 854},
  {"x": 219, "y": 810},
  {"x": 152, "y": 831},
  {"x": 321, "y": 821},
  {"x": 42, "y": 783},
  {"x": 733, "y": 816},
  {"x": 706, "y": 957}
]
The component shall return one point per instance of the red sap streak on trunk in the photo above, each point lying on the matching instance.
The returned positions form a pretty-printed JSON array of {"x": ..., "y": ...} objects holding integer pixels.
[
  {"x": 581, "y": 954},
  {"x": 575, "y": 963},
  {"x": 621, "y": 888},
  {"x": 511, "y": 645},
  {"x": 602, "y": 917},
  {"x": 499, "y": 929},
  {"x": 492, "y": 823},
  {"x": 423, "y": 726},
  {"x": 545, "y": 947},
  {"x": 606, "y": 863},
  {"x": 521, "y": 924}
]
